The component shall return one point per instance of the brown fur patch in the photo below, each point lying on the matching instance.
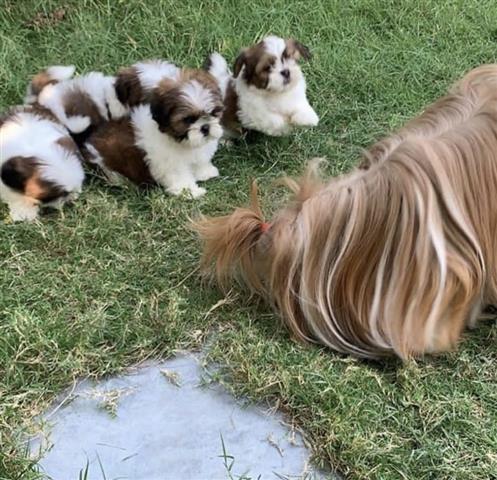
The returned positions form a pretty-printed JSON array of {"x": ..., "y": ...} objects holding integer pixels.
[
  {"x": 115, "y": 142},
  {"x": 77, "y": 102},
  {"x": 35, "y": 109},
  {"x": 40, "y": 81},
  {"x": 129, "y": 89},
  {"x": 42, "y": 112},
  {"x": 203, "y": 77},
  {"x": 230, "y": 119},
  {"x": 68, "y": 144},
  {"x": 22, "y": 174}
]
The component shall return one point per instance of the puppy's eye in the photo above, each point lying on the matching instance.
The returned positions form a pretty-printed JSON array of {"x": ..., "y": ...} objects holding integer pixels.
[
  {"x": 190, "y": 119},
  {"x": 217, "y": 111},
  {"x": 267, "y": 69}
]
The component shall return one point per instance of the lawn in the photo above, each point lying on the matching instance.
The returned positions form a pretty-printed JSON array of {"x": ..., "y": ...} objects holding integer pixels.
[{"x": 114, "y": 280}]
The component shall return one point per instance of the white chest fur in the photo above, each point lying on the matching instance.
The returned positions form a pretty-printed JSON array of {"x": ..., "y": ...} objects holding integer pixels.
[
  {"x": 274, "y": 113},
  {"x": 173, "y": 165}
]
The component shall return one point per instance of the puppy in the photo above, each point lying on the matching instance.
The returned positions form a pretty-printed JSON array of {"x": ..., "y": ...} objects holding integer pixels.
[
  {"x": 396, "y": 257},
  {"x": 40, "y": 164},
  {"x": 81, "y": 103},
  {"x": 170, "y": 140},
  {"x": 268, "y": 90}
]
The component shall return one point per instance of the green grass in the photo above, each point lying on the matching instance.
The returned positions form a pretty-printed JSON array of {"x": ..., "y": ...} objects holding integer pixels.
[{"x": 113, "y": 280}]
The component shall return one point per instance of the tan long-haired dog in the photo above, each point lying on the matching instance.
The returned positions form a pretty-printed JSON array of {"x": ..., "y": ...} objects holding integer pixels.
[{"x": 397, "y": 256}]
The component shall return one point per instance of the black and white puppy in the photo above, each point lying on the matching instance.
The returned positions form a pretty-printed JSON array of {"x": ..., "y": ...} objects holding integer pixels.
[
  {"x": 267, "y": 91},
  {"x": 40, "y": 164},
  {"x": 171, "y": 134}
]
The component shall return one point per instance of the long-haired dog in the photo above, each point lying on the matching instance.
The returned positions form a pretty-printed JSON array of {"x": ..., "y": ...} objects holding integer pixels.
[
  {"x": 80, "y": 103},
  {"x": 267, "y": 91},
  {"x": 40, "y": 164},
  {"x": 170, "y": 135},
  {"x": 397, "y": 256}
]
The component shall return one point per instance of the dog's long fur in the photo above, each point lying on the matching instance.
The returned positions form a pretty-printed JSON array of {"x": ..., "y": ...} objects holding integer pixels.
[{"x": 396, "y": 257}]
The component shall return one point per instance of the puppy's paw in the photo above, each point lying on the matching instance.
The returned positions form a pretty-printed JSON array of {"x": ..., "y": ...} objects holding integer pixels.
[
  {"x": 193, "y": 190},
  {"x": 206, "y": 172},
  {"x": 305, "y": 118},
  {"x": 23, "y": 213},
  {"x": 276, "y": 126},
  {"x": 197, "y": 191}
]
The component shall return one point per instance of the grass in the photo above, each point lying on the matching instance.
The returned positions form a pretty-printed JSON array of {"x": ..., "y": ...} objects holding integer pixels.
[{"x": 113, "y": 280}]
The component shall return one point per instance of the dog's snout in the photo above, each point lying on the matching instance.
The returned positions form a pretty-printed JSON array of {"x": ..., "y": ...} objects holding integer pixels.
[
  {"x": 205, "y": 130},
  {"x": 285, "y": 73}
]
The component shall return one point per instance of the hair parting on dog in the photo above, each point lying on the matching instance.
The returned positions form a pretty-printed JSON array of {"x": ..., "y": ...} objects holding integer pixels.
[{"x": 395, "y": 257}]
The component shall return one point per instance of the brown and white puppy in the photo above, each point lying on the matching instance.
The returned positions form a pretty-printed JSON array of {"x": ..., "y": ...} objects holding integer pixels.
[
  {"x": 39, "y": 162},
  {"x": 267, "y": 91},
  {"x": 394, "y": 258},
  {"x": 81, "y": 103},
  {"x": 170, "y": 140}
]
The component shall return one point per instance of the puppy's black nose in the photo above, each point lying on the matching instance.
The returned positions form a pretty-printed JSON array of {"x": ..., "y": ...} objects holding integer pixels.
[
  {"x": 205, "y": 130},
  {"x": 285, "y": 74}
]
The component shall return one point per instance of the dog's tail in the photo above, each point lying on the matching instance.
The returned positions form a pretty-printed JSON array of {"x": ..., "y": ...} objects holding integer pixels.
[
  {"x": 49, "y": 76},
  {"x": 230, "y": 243},
  {"x": 217, "y": 66}
]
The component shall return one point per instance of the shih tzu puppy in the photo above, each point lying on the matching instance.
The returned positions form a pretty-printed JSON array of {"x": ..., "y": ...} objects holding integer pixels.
[
  {"x": 80, "y": 103},
  {"x": 40, "y": 164},
  {"x": 267, "y": 91},
  {"x": 396, "y": 257},
  {"x": 168, "y": 140}
]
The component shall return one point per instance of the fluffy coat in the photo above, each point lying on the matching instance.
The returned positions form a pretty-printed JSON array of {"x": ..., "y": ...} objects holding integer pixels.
[{"x": 396, "y": 257}]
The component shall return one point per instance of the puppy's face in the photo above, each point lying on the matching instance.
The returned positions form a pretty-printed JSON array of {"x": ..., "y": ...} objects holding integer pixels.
[
  {"x": 272, "y": 64},
  {"x": 189, "y": 110}
]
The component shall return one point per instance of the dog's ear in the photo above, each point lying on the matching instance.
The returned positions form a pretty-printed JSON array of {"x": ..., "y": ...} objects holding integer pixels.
[
  {"x": 128, "y": 87},
  {"x": 162, "y": 102},
  {"x": 297, "y": 50},
  {"x": 239, "y": 63}
]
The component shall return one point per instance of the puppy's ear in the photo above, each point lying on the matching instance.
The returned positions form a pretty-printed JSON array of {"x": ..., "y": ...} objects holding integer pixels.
[
  {"x": 297, "y": 50},
  {"x": 160, "y": 111},
  {"x": 240, "y": 61},
  {"x": 161, "y": 102},
  {"x": 128, "y": 87}
]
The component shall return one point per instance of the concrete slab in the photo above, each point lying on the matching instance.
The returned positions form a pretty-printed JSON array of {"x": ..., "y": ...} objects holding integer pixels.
[{"x": 158, "y": 423}]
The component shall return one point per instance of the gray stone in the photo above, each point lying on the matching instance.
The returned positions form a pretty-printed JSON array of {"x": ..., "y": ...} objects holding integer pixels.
[{"x": 161, "y": 422}]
